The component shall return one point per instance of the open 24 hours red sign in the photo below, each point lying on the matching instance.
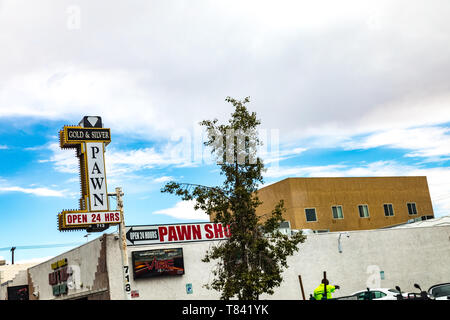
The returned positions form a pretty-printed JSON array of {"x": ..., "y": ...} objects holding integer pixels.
[
  {"x": 86, "y": 218},
  {"x": 176, "y": 233}
]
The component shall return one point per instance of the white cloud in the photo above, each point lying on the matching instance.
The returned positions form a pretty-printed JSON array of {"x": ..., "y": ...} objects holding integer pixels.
[
  {"x": 67, "y": 92},
  {"x": 275, "y": 172},
  {"x": 65, "y": 160},
  {"x": 3, "y": 147},
  {"x": 279, "y": 153},
  {"x": 184, "y": 210},
  {"x": 33, "y": 260},
  {"x": 7, "y": 186},
  {"x": 134, "y": 170},
  {"x": 28, "y": 261},
  {"x": 343, "y": 70},
  {"x": 41, "y": 192},
  {"x": 120, "y": 161},
  {"x": 325, "y": 70},
  {"x": 429, "y": 142},
  {"x": 163, "y": 179}
]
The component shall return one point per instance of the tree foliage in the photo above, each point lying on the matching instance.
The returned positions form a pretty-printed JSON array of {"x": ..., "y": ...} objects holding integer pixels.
[{"x": 252, "y": 260}]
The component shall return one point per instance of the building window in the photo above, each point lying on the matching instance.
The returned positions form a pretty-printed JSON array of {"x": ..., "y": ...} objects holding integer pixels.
[
  {"x": 388, "y": 210},
  {"x": 337, "y": 212},
  {"x": 310, "y": 215},
  {"x": 411, "y": 208},
  {"x": 363, "y": 210}
]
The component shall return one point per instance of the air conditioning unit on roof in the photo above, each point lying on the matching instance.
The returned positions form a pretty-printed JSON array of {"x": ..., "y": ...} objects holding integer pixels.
[
  {"x": 285, "y": 228},
  {"x": 322, "y": 231}
]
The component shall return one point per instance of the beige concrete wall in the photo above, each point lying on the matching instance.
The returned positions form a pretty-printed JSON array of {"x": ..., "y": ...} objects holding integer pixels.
[
  {"x": 89, "y": 263},
  {"x": 323, "y": 193},
  {"x": 13, "y": 275},
  {"x": 114, "y": 266}
]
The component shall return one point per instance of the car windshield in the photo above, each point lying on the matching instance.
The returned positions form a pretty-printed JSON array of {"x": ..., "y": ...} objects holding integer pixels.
[{"x": 441, "y": 291}]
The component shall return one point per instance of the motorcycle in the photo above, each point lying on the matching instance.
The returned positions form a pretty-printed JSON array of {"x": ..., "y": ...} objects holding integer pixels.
[{"x": 423, "y": 295}]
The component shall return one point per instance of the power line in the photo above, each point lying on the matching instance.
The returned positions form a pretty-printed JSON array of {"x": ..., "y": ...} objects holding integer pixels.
[{"x": 43, "y": 246}]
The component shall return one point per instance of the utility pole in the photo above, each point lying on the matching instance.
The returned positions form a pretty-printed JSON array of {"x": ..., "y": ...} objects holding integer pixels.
[
  {"x": 123, "y": 246},
  {"x": 12, "y": 254}
]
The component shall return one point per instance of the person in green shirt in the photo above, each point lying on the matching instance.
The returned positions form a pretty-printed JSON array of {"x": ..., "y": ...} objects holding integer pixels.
[{"x": 319, "y": 291}]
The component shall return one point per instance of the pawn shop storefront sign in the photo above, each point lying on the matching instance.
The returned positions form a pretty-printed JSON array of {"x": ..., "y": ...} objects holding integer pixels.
[
  {"x": 73, "y": 219},
  {"x": 58, "y": 277},
  {"x": 89, "y": 139}
]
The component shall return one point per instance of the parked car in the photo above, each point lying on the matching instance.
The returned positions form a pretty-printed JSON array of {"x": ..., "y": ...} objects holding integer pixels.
[
  {"x": 440, "y": 291},
  {"x": 378, "y": 294}
]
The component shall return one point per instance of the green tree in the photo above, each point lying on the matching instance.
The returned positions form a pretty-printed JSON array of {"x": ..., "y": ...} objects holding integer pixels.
[{"x": 252, "y": 260}]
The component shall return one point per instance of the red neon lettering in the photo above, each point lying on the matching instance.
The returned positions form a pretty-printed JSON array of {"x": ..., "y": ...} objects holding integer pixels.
[
  {"x": 107, "y": 217},
  {"x": 161, "y": 265},
  {"x": 117, "y": 217},
  {"x": 69, "y": 219},
  {"x": 51, "y": 279},
  {"x": 218, "y": 232},
  {"x": 227, "y": 230},
  {"x": 162, "y": 232},
  {"x": 172, "y": 234},
  {"x": 63, "y": 274},
  {"x": 84, "y": 218},
  {"x": 184, "y": 233},
  {"x": 152, "y": 265},
  {"x": 209, "y": 234},
  {"x": 196, "y": 232}
]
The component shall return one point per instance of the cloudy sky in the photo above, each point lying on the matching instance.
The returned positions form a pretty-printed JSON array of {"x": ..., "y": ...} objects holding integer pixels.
[{"x": 342, "y": 88}]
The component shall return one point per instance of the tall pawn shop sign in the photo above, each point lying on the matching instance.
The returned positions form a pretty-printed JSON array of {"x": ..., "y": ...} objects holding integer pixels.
[{"x": 89, "y": 139}]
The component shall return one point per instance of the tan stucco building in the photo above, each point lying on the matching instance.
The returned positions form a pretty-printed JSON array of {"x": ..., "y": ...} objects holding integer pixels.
[{"x": 343, "y": 204}]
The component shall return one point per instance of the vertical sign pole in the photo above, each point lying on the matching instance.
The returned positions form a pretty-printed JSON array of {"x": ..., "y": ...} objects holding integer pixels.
[
  {"x": 301, "y": 286},
  {"x": 123, "y": 246}
]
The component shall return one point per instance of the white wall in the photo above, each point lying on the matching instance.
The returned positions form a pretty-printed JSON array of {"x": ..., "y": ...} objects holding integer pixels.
[
  {"x": 197, "y": 273},
  {"x": 407, "y": 256},
  {"x": 114, "y": 266}
]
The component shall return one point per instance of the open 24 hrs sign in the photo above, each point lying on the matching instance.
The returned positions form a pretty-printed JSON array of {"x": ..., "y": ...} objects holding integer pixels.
[{"x": 89, "y": 140}]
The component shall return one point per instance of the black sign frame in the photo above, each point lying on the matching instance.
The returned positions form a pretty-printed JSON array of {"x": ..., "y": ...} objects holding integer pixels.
[
  {"x": 78, "y": 134},
  {"x": 18, "y": 292},
  {"x": 170, "y": 263}
]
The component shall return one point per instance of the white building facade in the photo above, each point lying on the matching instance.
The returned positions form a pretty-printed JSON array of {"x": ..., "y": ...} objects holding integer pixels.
[{"x": 354, "y": 260}]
